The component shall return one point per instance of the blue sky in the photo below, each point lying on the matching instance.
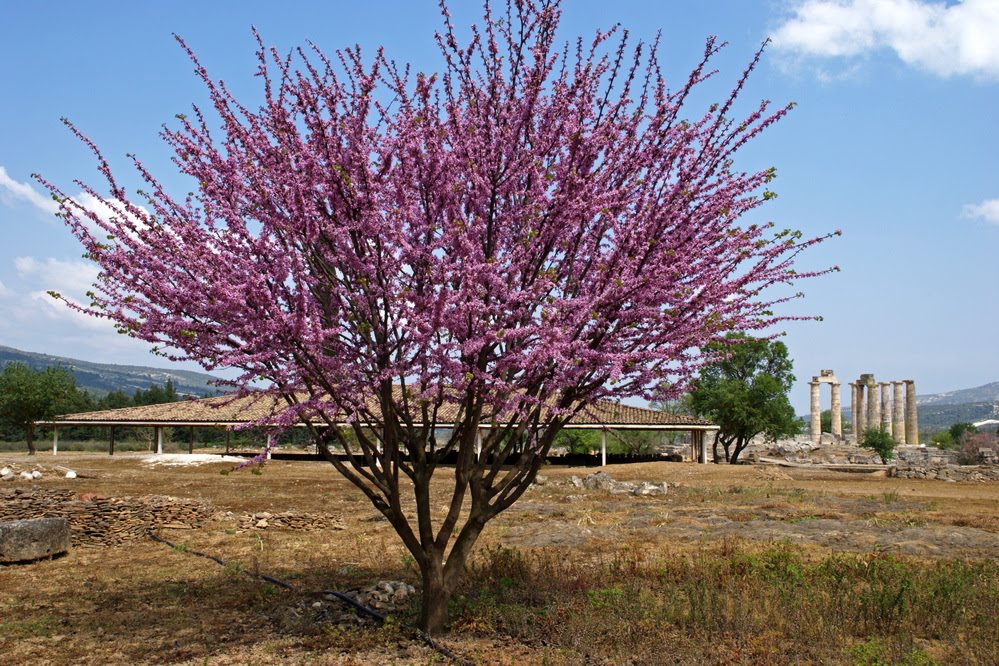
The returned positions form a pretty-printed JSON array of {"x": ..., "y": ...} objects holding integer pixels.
[{"x": 895, "y": 140}]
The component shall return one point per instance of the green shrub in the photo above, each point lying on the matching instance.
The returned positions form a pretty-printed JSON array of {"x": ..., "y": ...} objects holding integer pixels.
[{"x": 881, "y": 442}]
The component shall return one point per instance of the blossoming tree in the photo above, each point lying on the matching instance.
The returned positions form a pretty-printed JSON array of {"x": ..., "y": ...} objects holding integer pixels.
[{"x": 494, "y": 247}]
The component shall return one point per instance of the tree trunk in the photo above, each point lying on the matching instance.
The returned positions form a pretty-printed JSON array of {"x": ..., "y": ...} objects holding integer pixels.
[
  {"x": 740, "y": 446},
  {"x": 435, "y": 598},
  {"x": 31, "y": 439}
]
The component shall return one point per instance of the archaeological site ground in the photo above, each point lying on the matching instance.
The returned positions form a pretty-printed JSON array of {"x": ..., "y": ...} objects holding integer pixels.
[{"x": 747, "y": 564}]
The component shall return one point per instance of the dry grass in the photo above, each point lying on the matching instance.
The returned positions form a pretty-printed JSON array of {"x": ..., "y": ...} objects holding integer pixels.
[{"x": 734, "y": 565}]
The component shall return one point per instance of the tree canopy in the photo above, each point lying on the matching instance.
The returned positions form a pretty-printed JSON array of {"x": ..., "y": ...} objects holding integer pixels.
[
  {"x": 744, "y": 391},
  {"x": 494, "y": 246},
  {"x": 28, "y": 395}
]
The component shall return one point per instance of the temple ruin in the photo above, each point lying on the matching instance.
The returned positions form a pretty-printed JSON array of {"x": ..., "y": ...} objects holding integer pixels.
[{"x": 873, "y": 404}]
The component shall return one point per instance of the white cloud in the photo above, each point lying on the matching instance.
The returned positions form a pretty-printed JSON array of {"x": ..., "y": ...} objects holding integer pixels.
[
  {"x": 987, "y": 210},
  {"x": 12, "y": 190},
  {"x": 70, "y": 278},
  {"x": 947, "y": 40},
  {"x": 35, "y": 321}
]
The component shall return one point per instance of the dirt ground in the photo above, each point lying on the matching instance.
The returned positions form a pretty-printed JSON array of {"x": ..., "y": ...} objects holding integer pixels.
[{"x": 136, "y": 603}]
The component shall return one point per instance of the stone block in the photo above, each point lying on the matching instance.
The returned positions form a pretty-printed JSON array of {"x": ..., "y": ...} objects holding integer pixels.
[{"x": 26, "y": 540}]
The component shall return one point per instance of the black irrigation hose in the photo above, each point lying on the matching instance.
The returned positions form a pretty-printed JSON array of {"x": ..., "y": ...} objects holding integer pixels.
[{"x": 378, "y": 617}]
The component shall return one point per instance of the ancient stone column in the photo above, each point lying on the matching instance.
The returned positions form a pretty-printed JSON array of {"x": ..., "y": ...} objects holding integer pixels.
[
  {"x": 886, "y": 406},
  {"x": 898, "y": 413},
  {"x": 859, "y": 416},
  {"x": 816, "y": 409},
  {"x": 872, "y": 420},
  {"x": 854, "y": 408},
  {"x": 836, "y": 410},
  {"x": 911, "y": 416}
]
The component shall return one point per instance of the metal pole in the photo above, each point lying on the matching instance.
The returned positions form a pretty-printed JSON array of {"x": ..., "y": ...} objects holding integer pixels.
[
  {"x": 55, "y": 440},
  {"x": 603, "y": 447}
]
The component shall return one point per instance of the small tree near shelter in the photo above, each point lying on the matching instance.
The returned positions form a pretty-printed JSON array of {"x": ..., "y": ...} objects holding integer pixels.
[
  {"x": 491, "y": 247},
  {"x": 28, "y": 395},
  {"x": 744, "y": 391}
]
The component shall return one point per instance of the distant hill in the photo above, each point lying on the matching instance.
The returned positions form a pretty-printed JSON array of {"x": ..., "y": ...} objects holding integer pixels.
[
  {"x": 985, "y": 393},
  {"x": 102, "y": 378}
]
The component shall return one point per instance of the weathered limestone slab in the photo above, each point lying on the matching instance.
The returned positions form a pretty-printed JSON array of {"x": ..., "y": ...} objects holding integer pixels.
[{"x": 33, "y": 539}]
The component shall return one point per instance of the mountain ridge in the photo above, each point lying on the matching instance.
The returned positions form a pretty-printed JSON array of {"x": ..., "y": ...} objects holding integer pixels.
[{"x": 102, "y": 378}]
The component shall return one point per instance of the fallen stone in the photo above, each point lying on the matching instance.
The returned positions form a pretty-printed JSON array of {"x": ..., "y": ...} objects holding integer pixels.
[
  {"x": 36, "y": 474},
  {"x": 26, "y": 476},
  {"x": 33, "y": 539},
  {"x": 599, "y": 481},
  {"x": 70, "y": 474},
  {"x": 4, "y": 471},
  {"x": 649, "y": 488}
]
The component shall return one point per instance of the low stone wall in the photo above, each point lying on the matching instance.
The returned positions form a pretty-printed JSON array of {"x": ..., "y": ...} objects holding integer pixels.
[
  {"x": 103, "y": 521},
  {"x": 111, "y": 521},
  {"x": 288, "y": 520},
  {"x": 907, "y": 470}
]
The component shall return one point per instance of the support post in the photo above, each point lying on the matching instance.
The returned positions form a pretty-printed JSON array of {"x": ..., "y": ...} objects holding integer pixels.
[
  {"x": 190, "y": 444},
  {"x": 860, "y": 417},
  {"x": 603, "y": 447},
  {"x": 854, "y": 409},
  {"x": 911, "y": 414},
  {"x": 55, "y": 440},
  {"x": 898, "y": 412},
  {"x": 111, "y": 444},
  {"x": 228, "y": 435},
  {"x": 270, "y": 444},
  {"x": 816, "y": 409},
  {"x": 478, "y": 444},
  {"x": 702, "y": 448},
  {"x": 886, "y": 407},
  {"x": 836, "y": 411},
  {"x": 159, "y": 439},
  {"x": 872, "y": 419}
]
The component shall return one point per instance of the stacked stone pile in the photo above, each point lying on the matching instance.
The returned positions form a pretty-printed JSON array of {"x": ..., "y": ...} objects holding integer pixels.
[
  {"x": 385, "y": 597},
  {"x": 289, "y": 520},
  {"x": 103, "y": 521}
]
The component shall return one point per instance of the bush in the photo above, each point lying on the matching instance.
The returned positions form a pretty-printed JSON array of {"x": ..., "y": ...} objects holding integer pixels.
[
  {"x": 972, "y": 443},
  {"x": 881, "y": 442}
]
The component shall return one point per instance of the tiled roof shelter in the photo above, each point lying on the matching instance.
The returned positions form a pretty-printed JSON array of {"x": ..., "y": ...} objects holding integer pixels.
[{"x": 226, "y": 411}]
